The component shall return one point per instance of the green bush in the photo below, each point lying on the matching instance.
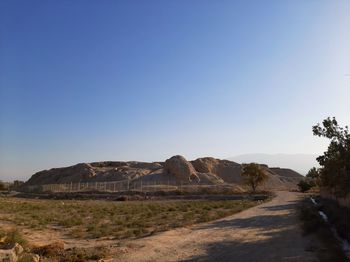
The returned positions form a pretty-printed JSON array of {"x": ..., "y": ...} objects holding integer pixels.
[{"x": 304, "y": 186}]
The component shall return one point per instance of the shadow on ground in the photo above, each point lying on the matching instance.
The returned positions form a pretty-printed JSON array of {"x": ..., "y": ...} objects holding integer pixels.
[{"x": 269, "y": 237}]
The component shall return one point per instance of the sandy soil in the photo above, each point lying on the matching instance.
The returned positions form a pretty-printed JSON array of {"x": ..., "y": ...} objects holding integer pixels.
[{"x": 269, "y": 232}]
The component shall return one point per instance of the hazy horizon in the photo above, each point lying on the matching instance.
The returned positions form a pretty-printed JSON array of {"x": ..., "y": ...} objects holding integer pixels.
[
  {"x": 88, "y": 81},
  {"x": 300, "y": 163}
]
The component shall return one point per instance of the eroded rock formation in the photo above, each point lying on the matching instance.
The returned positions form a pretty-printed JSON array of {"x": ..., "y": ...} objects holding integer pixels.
[{"x": 176, "y": 169}]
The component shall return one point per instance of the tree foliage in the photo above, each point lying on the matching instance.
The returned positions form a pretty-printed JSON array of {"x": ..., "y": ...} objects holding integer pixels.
[
  {"x": 2, "y": 186},
  {"x": 304, "y": 185},
  {"x": 16, "y": 185},
  {"x": 253, "y": 175},
  {"x": 334, "y": 173},
  {"x": 313, "y": 177}
]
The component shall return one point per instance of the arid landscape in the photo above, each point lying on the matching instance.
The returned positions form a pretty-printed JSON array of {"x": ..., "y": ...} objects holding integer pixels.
[
  {"x": 201, "y": 210},
  {"x": 175, "y": 203},
  {"x": 173, "y": 131}
]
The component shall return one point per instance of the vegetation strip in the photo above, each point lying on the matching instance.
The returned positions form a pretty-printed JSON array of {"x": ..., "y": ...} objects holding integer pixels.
[
  {"x": 95, "y": 219},
  {"x": 313, "y": 224}
]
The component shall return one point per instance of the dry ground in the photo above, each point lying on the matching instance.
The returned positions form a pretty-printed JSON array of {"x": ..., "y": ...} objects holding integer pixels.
[
  {"x": 115, "y": 220},
  {"x": 269, "y": 232}
]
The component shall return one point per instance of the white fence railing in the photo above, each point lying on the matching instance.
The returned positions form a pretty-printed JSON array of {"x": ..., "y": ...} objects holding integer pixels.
[{"x": 125, "y": 185}]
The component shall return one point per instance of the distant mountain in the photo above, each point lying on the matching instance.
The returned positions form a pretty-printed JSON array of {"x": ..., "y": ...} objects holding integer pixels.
[{"x": 298, "y": 162}]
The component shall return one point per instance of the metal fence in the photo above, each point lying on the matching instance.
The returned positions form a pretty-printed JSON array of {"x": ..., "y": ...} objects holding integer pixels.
[{"x": 125, "y": 185}]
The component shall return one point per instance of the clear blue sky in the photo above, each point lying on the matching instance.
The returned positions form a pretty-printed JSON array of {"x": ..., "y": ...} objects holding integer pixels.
[{"x": 144, "y": 80}]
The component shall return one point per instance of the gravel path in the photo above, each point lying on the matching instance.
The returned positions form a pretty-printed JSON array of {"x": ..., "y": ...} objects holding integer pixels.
[{"x": 268, "y": 232}]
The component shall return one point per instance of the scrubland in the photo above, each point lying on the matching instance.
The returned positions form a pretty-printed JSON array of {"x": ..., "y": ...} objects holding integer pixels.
[{"x": 117, "y": 220}]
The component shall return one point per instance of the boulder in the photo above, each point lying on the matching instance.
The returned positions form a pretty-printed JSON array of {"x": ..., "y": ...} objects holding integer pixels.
[
  {"x": 8, "y": 255},
  {"x": 11, "y": 254},
  {"x": 53, "y": 249},
  {"x": 29, "y": 257},
  {"x": 18, "y": 249},
  {"x": 179, "y": 167}
]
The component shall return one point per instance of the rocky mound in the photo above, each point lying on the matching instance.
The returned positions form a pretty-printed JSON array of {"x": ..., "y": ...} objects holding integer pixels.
[
  {"x": 230, "y": 172},
  {"x": 288, "y": 176},
  {"x": 285, "y": 172},
  {"x": 181, "y": 168},
  {"x": 227, "y": 170},
  {"x": 76, "y": 173},
  {"x": 174, "y": 170},
  {"x": 94, "y": 172},
  {"x": 276, "y": 181}
]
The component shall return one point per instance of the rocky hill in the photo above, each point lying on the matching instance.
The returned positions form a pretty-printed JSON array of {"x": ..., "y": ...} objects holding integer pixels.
[{"x": 206, "y": 170}]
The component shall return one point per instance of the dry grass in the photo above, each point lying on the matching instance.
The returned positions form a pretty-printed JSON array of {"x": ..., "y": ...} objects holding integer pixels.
[
  {"x": 56, "y": 253},
  {"x": 9, "y": 238},
  {"x": 96, "y": 219}
]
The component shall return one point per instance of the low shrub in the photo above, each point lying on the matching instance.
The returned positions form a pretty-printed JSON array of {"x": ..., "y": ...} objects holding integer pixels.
[
  {"x": 304, "y": 186},
  {"x": 313, "y": 224},
  {"x": 95, "y": 219},
  {"x": 9, "y": 238}
]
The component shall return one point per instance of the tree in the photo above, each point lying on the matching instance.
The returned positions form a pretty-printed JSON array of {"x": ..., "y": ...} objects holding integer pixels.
[
  {"x": 335, "y": 162},
  {"x": 16, "y": 184},
  {"x": 253, "y": 175},
  {"x": 304, "y": 186},
  {"x": 2, "y": 186},
  {"x": 313, "y": 177}
]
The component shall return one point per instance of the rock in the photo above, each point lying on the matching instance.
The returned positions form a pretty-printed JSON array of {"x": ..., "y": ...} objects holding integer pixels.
[
  {"x": 53, "y": 249},
  {"x": 36, "y": 258},
  {"x": 181, "y": 168},
  {"x": 8, "y": 255},
  {"x": 18, "y": 249},
  {"x": 205, "y": 164},
  {"x": 93, "y": 172},
  {"x": 76, "y": 173},
  {"x": 227, "y": 170},
  {"x": 209, "y": 179},
  {"x": 29, "y": 257}
]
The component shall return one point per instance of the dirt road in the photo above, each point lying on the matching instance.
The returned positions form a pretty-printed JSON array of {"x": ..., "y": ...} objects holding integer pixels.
[{"x": 268, "y": 232}]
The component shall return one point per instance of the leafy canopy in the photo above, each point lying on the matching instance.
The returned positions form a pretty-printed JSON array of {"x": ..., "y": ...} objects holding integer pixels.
[
  {"x": 253, "y": 175},
  {"x": 334, "y": 173}
]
